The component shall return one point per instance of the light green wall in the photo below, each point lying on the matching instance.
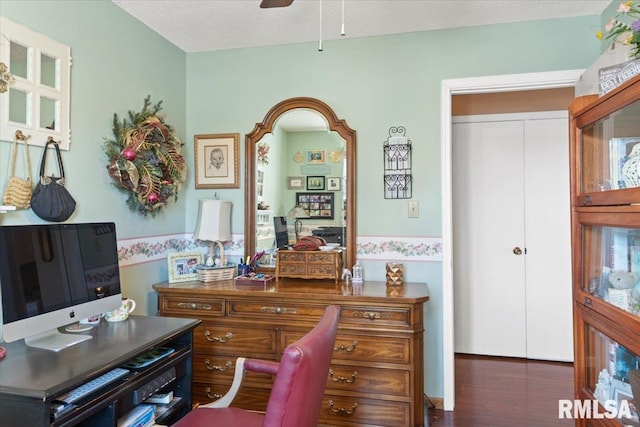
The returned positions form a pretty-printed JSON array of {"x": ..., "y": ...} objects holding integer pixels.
[
  {"x": 373, "y": 83},
  {"x": 117, "y": 62}
]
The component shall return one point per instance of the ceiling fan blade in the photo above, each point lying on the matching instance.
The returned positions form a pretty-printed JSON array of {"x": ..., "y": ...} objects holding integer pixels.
[{"x": 275, "y": 3}]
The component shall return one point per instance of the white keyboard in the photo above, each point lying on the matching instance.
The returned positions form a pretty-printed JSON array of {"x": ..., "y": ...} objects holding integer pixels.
[{"x": 93, "y": 385}]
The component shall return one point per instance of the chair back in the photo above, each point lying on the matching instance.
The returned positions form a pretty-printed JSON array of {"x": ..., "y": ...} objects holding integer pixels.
[{"x": 296, "y": 396}]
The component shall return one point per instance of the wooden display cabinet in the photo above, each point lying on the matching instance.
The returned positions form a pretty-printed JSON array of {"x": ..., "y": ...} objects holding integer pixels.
[{"x": 605, "y": 195}]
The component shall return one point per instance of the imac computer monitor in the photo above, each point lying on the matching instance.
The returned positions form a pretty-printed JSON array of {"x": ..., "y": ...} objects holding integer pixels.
[
  {"x": 281, "y": 232},
  {"x": 54, "y": 275}
]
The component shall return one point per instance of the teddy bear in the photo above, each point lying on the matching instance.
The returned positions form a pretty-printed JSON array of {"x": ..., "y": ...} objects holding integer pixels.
[
  {"x": 621, "y": 279},
  {"x": 623, "y": 292}
]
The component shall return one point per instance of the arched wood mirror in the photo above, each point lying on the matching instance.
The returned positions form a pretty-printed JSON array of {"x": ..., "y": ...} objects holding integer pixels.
[{"x": 301, "y": 154}]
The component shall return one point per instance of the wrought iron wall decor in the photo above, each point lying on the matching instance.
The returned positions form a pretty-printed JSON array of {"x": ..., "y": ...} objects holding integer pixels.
[{"x": 397, "y": 164}]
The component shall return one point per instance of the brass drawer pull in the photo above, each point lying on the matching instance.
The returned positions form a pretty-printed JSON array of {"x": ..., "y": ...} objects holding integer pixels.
[
  {"x": 278, "y": 310},
  {"x": 215, "y": 396},
  {"x": 371, "y": 315},
  {"x": 227, "y": 337},
  {"x": 194, "y": 306},
  {"x": 342, "y": 411},
  {"x": 345, "y": 348},
  {"x": 224, "y": 368},
  {"x": 342, "y": 379}
]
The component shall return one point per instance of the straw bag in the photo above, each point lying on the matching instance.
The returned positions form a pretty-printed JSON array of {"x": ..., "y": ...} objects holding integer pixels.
[
  {"x": 18, "y": 191},
  {"x": 50, "y": 200}
]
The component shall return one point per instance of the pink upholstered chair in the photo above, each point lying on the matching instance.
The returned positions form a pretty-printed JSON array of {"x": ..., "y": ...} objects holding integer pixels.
[{"x": 296, "y": 396}]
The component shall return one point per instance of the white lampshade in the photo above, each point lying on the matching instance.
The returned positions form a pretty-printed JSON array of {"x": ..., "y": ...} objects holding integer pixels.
[
  {"x": 213, "y": 225},
  {"x": 214, "y": 220}
]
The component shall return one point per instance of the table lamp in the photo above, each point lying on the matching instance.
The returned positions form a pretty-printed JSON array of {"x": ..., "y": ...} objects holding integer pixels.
[
  {"x": 297, "y": 212},
  {"x": 214, "y": 226}
]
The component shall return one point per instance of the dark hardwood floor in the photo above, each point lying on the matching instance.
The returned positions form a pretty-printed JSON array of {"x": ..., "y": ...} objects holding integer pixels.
[{"x": 507, "y": 392}]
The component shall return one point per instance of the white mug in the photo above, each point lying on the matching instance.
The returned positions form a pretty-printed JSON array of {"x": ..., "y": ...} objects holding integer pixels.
[{"x": 121, "y": 313}]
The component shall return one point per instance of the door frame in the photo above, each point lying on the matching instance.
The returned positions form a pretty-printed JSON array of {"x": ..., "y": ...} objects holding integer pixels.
[{"x": 473, "y": 85}]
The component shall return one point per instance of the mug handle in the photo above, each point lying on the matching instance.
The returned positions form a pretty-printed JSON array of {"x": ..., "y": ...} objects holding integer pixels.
[{"x": 131, "y": 304}]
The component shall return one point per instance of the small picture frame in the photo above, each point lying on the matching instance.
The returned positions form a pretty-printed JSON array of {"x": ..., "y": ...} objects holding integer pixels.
[
  {"x": 316, "y": 157},
  {"x": 315, "y": 183},
  {"x": 217, "y": 159},
  {"x": 182, "y": 266},
  {"x": 295, "y": 183},
  {"x": 333, "y": 183},
  {"x": 316, "y": 205}
]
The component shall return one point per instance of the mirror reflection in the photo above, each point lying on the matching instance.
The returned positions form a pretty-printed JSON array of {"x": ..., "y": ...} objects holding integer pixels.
[
  {"x": 295, "y": 165},
  {"x": 299, "y": 179}
]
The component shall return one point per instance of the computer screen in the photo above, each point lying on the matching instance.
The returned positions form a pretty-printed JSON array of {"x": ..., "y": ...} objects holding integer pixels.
[
  {"x": 54, "y": 275},
  {"x": 281, "y": 232}
]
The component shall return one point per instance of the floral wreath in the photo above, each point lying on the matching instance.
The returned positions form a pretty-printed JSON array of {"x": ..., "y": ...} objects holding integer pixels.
[
  {"x": 145, "y": 159},
  {"x": 263, "y": 151}
]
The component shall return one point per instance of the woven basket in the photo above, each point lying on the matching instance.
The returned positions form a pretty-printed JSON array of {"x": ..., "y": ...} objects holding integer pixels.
[{"x": 215, "y": 274}]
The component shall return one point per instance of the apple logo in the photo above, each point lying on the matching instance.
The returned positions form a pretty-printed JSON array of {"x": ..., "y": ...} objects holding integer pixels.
[{"x": 72, "y": 314}]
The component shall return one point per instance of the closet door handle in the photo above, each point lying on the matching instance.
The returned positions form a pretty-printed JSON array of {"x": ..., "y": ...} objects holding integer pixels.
[{"x": 517, "y": 251}]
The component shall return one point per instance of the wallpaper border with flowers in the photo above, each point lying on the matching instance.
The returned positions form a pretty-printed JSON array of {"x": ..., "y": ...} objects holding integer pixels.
[{"x": 138, "y": 250}]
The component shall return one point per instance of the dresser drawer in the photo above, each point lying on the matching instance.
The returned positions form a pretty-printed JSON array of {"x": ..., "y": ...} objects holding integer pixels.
[
  {"x": 345, "y": 411},
  {"x": 321, "y": 257},
  {"x": 234, "y": 340},
  {"x": 273, "y": 311},
  {"x": 354, "y": 348},
  {"x": 377, "y": 382},
  {"x": 253, "y": 398},
  {"x": 293, "y": 269},
  {"x": 321, "y": 270},
  {"x": 221, "y": 369},
  {"x": 191, "y": 306},
  {"x": 292, "y": 256},
  {"x": 376, "y": 316}
]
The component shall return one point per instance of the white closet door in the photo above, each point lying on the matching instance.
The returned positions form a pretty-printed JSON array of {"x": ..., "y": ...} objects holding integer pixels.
[
  {"x": 548, "y": 237},
  {"x": 511, "y": 189},
  {"x": 488, "y": 201}
]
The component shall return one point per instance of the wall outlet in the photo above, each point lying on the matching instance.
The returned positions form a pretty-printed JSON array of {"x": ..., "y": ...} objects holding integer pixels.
[{"x": 414, "y": 211}]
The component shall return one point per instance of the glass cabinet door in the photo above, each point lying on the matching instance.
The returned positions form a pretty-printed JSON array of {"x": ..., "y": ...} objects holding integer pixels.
[
  {"x": 611, "y": 265},
  {"x": 612, "y": 376},
  {"x": 609, "y": 152}
]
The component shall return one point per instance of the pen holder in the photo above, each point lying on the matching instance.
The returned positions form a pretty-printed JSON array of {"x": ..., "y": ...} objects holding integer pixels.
[{"x": 244, "y": 269}]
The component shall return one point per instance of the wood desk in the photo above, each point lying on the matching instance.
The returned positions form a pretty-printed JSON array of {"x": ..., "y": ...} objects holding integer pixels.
[{"x": 31, "y": 378}]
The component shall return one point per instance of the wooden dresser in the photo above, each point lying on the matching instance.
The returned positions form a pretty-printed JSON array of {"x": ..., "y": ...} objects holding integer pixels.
[
  {"x": 376, "y": 376},
  {"x": 309, "y": 264}
]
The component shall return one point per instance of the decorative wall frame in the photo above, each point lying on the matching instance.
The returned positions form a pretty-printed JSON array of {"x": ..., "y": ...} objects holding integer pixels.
[
  {"x": 182, "y": 266},
  {"x": 333, "y": 183},
  {"x": 295, "y": 183},
  {"x": 217, "y": 159},
  {"x": 317, "y": 205},
  {"x": 316, "y": 157},
  {"x": 397, "y": 164},
  {"x": 315, "y": 183}
]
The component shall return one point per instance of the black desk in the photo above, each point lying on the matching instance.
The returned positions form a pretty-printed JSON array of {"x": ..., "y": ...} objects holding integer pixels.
[{"x": 31, "y": 378}]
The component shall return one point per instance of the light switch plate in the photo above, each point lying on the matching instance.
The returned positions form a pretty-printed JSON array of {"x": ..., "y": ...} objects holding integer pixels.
[{"x": 414, "y": 211}]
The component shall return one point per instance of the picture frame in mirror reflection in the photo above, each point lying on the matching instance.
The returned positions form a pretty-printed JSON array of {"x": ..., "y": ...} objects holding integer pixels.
[
  {"x": 316, "y": 205},
  {"x": 316, "y": 157},
  {"x": 333, "y": 183},
  {"x": 315, "y": 183},
  {"x": 217, "y": 160},
  {"x": 295, "y": 183},
  {"x": 182, "y": 266}
]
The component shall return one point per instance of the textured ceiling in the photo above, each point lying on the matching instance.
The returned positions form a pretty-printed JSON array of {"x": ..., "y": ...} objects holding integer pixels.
[{"x": 205, "y": 25}]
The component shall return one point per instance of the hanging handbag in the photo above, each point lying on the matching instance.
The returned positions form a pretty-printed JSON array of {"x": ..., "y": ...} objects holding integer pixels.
[
  {"x": 50, "y": 200},
  {"x": 18, "y": 191}
]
